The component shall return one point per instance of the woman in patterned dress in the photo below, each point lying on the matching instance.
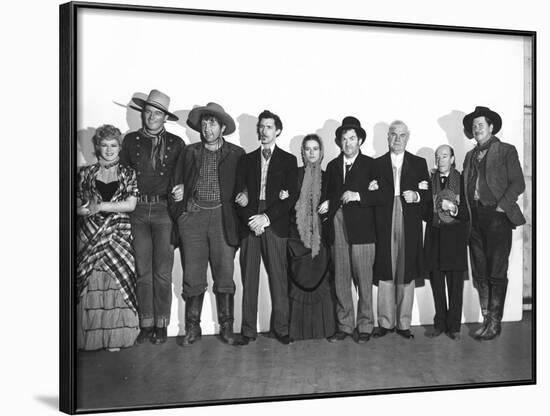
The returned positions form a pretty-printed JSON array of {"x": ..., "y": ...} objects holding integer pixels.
[{"x": 106, "y": 192}]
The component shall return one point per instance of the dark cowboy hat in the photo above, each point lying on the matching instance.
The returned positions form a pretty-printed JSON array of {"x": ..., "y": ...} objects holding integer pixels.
[
  {"x": 350, "y": 122},
  {"x": 194, "y": 119},
  {"x": 481, "y": 112}
]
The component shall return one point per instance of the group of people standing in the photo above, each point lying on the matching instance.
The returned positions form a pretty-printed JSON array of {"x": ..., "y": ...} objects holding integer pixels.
[{"x": 318, "y": 233}]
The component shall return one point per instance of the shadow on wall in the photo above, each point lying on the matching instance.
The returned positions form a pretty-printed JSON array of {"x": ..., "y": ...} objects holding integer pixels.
[
  {"x": 248, "y": 138},
  {"x": 327, "y": 135},
  {"x": 429, "y": 155},
  {"x": 133, "y": 113},
  {"x": 380, "y": 139},
  {"x": 191, "y": 136},
  {"x": 424, "y": 303},
  {"x": 85, "y": 147},
  {"x": 295, "y": 148},
  {"x": 451, "y": 124},
  {"x": 177, "y": 286}
]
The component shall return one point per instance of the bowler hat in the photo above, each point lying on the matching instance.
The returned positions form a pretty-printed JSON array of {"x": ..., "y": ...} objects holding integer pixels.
[
  {"x": 467, "y": 121},
  {"x": 158, "y": 100},
  {"x": 194, "y": 119},
  {"x": 350, "y": 122}
]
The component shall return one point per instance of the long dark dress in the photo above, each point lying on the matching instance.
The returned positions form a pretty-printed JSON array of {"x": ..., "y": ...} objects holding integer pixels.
[{"x": 311, "y": 299}]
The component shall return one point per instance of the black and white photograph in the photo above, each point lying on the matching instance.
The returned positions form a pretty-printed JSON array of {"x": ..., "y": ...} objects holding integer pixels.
[
  {"x": 259, "y": 205},
  {"x": 289, "y": 205}
]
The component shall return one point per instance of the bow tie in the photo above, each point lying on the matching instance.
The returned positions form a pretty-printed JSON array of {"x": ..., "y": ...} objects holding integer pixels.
[{"x": 266, "y": 153}]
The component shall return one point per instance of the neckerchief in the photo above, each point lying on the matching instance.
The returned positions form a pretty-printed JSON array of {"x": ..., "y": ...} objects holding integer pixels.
[
  {"x": 158, "y": 146},
  {"x": 480, "y": 151}
]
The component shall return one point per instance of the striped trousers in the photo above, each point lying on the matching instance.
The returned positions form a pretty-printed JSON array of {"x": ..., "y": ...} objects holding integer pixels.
[
  {"x": 272, "y": 250},
  {"x": 352, "y": 262}
]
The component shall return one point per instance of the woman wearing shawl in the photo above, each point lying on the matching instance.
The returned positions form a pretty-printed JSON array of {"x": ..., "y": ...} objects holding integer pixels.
[
  {"x": 106, "y": 193},
  {"x": 445, "y": 242},
  {"x": 311, "y": 304}
]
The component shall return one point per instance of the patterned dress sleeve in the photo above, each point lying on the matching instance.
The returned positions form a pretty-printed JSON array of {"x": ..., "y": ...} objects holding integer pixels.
[
  {"x": 81, "y": 192},
  {"x": 130, "y": 183}
]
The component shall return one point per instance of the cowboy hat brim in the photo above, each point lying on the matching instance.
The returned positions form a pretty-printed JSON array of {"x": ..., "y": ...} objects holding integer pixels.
[
  {"x": 194, "y": 118},
  {"x": 481, "y": 112},
  {"x": 142, "y": 103}
]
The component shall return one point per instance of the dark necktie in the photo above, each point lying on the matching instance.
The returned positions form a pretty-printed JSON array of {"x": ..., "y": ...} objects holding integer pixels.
[
  {"x": 443, "y": 181},
  {"x": 348, "y": 168},
  {"x": 266, "y": 153}
]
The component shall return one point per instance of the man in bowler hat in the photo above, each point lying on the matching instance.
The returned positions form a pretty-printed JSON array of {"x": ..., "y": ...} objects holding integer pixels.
[
  {"x": 351, "y": 230},
  {"x": 207, "y": 220},
  {"x": 152, "y": 152},
  {"x": 493, "y": 181}
]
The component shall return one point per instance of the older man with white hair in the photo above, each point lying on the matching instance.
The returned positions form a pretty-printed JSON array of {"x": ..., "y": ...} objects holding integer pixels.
[{"x": 404, "y": 181}]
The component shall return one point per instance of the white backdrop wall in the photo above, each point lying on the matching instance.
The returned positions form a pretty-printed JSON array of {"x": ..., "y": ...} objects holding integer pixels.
[{"x": 312, "y": 76}]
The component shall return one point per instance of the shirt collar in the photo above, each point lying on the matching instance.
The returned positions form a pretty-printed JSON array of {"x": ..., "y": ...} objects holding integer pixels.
[
  {"x": 350, "y": 161},
  {"x": 397, "y": 160},
  {"x": 270, "y": 146}
]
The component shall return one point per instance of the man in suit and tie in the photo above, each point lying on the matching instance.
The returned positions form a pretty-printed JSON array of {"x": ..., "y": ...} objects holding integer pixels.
[
  {"x": 351, "y": 230},
  {"x": 265, "y": 220},
  {"x": 493, "y": 180},
  {"x": 399, "y": 229}
]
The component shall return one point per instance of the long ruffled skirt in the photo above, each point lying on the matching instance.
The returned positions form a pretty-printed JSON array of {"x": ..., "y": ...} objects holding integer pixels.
[{"x": 104, "y": 319}]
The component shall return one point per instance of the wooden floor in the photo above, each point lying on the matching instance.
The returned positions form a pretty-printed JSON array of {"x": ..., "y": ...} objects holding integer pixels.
[{"x": 210, "y": 370}]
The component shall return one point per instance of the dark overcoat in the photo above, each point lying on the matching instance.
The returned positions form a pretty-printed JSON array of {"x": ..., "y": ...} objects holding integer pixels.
[
  {"x": 413, "y": 171},
  {"x": 358, "y": 215},
  {"x": 281, "y": 175},
  {"x": 187, "y": 172}
]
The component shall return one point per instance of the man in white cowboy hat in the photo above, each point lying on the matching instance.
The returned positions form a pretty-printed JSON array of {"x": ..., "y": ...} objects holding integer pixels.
[
  {"x": 207, "y": 220},
  {"x": 152, "y": 152},
  {"x": 265, "y": 220},
  {"x": 493, "y": 181}
]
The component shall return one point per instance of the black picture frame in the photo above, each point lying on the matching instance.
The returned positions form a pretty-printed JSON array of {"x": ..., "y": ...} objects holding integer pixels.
[{"x": 67, "y": 152}]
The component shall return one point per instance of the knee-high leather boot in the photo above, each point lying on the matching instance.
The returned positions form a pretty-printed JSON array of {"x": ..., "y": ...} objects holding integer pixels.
[
  {"x": 496, "y": 308},
  {"x": 193, "y": 309},
  {"x": 483, "y": 292},
  {"x": 224, "y": 304}
]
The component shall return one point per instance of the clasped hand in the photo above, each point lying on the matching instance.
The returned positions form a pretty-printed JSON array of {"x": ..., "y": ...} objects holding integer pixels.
[
  {"x": 242, "y": 199},
  {"x": 177, "y": 192},
  {"x": 89, "y": 208},
  {"x": 350, "y": 196},
  {"x": 447, "y": 205},
  {"x": 257, "y": 223}
]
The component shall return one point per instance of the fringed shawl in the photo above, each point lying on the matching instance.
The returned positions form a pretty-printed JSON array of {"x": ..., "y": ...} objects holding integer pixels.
[{"x": 307, "y": 219}]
